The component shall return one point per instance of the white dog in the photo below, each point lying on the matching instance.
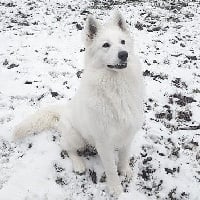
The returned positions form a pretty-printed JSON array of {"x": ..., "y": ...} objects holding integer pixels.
[{"x": 107, "y": 110}]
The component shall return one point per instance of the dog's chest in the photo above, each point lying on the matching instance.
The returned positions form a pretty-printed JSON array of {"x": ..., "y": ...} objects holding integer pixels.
[
  {"x": 111, "y": 108},
  {"x": 115, "y": 100}
]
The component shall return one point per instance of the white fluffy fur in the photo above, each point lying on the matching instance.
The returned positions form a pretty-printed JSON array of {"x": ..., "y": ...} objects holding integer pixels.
[{"x": 107, "y": 110}]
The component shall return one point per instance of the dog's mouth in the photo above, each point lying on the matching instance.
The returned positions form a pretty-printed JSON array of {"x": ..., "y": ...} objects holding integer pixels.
[{"x": 118, "y": 66}]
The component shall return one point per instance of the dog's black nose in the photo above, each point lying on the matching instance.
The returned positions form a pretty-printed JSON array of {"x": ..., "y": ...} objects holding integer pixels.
[{"x": 123, "y": 55}]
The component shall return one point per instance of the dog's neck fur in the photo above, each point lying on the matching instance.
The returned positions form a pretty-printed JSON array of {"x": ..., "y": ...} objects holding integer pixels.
[
  {"x": 112, "y": 85},
  {"x": 105, "y": 78}
]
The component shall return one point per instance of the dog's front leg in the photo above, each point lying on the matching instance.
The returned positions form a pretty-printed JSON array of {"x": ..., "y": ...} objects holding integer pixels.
[
  {"x": 123, "y": 164},
  {"x": 106, "y": 154}
]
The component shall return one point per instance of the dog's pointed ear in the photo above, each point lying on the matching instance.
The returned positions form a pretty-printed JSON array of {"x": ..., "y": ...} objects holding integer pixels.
[
  {"x": 120, "y": 21},
  {"x": 92, "y": 27}
]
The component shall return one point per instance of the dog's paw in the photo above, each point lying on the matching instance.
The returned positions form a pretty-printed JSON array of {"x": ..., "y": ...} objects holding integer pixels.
[
  {"x": 115, "y": 190},
  {"x": 126, "y": 171},
  {"x": 79, "y": 167}
]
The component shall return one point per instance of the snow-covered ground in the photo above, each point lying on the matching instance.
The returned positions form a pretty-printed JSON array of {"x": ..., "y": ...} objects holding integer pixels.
[{"x": 41, "y": 61}]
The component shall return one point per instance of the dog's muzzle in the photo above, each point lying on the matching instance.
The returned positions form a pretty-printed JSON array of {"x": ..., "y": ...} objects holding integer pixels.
[
  {"x": 122, "y": 55},
  {"x": 118, "y": 66}
]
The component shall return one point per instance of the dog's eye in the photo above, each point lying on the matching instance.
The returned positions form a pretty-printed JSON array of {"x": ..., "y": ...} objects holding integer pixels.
[
  {"x": 123, "y": 42},
  {"x": 106, "y": 45}
]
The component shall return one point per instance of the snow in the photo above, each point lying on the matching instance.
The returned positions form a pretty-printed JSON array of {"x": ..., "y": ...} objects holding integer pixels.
[{"x": 41, "y": 61}]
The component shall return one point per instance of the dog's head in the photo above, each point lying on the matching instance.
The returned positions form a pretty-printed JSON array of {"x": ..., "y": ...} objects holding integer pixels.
[{"x": 108, "y": 46}]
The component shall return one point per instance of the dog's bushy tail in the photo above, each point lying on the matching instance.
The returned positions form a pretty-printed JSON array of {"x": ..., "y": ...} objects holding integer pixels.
[{"x": 41, "y": 120}]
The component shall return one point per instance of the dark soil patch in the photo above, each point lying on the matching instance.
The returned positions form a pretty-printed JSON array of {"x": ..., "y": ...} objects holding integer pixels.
[
  {"x": 184, "y": 116},
  {"x": 64, "y": 154},
  {"x": 192, "y": 57},
  {"x": 146, "y": 160},
  {"x": 79, "y": 26},
  {"x": 95, "y": 4},
  {"x": 181, "y": 99},
  {"x": 30, "y": 145},
  {"x": 88, "y": 151},
  {"x": 172, "y": 5},
  {"x": 5, "y": 62},
  {"x": 60, "y": 181},
  {"x": 155, "y": 76},
  {"x": 58, "y": 168},
  {"x": 5, "y": 149},
  {"x": 28, "y": 82},
  {"x": 139, "y": 26},
  {"x": 175, "y": 152},
  {"x": 12, "y": 66},
  {"x": 54, "y": 94},
  {"x": 78, "y": 73},
  {"x": 164, "y": 115},
  {"x": 93, "y": 176},
  {"x": 103, "y": 178},
  {"x": 174, "y": 195},
  {"x": 172, "y": 171},
  {"x": 179, "y": 84},
  {"x": 190, "y": 127},
  {"x": 41, "y": 97},
  {"x": 191, "y": 145},
  {"x": 146, "y": 173}
]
